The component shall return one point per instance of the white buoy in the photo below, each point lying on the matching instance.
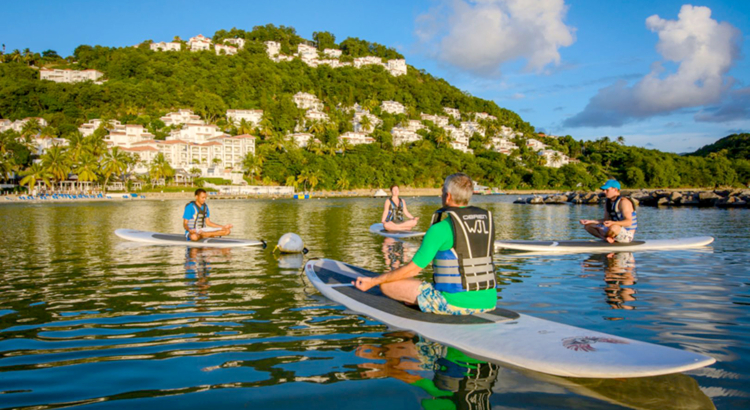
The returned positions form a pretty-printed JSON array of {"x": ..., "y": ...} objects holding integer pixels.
[{"x": 291, "y": 243}]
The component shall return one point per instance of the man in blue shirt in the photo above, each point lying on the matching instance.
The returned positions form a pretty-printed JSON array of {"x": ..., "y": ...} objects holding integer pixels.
[{"x": 196, "y": 220}]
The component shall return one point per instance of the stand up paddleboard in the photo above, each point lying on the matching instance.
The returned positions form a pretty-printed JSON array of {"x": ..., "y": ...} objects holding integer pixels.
[
  {"x": 602, "y": 246},
  {"x": 378, "y": 229},
  {"x": 506, "y": 336},
  {"x": 157, "y": 238}
]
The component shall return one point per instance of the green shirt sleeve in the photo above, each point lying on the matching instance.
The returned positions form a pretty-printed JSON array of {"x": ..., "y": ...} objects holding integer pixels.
[{"x": 438, "y": 238}]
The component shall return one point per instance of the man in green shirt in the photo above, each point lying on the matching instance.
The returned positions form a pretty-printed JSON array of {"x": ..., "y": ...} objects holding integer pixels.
[{"x": 460, "y": 247}]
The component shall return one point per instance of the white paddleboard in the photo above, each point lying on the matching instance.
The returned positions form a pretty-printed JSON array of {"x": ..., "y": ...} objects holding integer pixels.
[
  {"x": 602, "y": 246},
  {"x": 378, "y": 229},
  {"x": 509, "y": 337},
  {"x": 177, "y": 239}
]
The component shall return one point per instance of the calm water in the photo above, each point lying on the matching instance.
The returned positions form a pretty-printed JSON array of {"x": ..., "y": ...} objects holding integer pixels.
[{"x": 87, "y": 319}]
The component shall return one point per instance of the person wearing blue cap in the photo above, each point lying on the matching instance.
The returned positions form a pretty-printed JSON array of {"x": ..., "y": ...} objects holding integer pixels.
[{"x": 620, "y": 217}]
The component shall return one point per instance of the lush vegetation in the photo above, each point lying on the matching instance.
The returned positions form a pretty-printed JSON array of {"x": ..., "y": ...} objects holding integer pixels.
[
  {"x": 143, "y": 85},
  {"x": 735, "y": 146}
]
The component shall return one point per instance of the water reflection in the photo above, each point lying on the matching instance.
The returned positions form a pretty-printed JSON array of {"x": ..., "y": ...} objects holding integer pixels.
[
  {"x": 397, "y": 253},
  {"x": 458, "y": 381},
  {"x": 619, "y": 277},
  {"x": 290, "y": 262}
]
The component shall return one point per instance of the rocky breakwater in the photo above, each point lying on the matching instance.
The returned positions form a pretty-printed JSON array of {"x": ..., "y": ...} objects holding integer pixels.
[{"x": 718, "y": 198}]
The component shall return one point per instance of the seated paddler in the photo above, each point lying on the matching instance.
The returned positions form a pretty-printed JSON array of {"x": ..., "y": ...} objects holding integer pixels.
[
  {"x": 459, "y": 244},
  {"x": 197, "y": 222}
]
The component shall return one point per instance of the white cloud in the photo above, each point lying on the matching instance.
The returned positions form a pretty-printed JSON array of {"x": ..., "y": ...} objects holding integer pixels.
[
  {"x": 705, "y": 51},
  {"x": 481, "y": 35}
]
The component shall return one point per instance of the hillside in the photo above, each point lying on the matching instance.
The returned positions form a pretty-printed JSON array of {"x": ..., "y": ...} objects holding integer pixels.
[
  {"x": 141, "y": 85},
  {"x": 735, "y": 146}
]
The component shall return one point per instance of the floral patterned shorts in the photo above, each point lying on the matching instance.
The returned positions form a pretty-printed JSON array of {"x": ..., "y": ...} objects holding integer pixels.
[{"x": 431, "y": 300}]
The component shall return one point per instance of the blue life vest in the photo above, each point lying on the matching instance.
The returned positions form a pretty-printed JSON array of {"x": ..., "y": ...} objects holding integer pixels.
[
  {"x": 395, "y": 213},
  {"x": 613, "y": 209},
  {"x": 468, "y": 266},
  {"x": 200, "y": 218}
]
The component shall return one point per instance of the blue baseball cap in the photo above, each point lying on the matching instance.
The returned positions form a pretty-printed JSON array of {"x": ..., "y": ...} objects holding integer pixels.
[{"x": 612, "y": 183}]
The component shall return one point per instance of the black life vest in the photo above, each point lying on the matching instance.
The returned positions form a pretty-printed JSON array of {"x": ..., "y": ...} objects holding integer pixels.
[
  {"x": 468, "y": 266},
  {"x": 200, "y": 217},
  {"x": 613, "y": 210},
  {"x": 396, "y": 213}
]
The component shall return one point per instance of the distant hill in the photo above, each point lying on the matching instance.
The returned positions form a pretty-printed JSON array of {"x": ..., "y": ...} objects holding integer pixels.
[{"x": 735, "y": 146}]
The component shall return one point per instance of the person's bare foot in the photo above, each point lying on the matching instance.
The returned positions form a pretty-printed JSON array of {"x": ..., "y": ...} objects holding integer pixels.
[{"x": 610, "y": 240}]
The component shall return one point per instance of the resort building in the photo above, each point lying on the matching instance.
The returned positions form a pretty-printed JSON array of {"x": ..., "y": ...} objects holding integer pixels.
[
  {"x": 501, "y": 145},
  {"x": 70, "y": 76},
  {"x": 238, "y": 42},
  {"x": 453, "y": 112},
  {"x": 224, "y": 49},
  {"x": 396, "y": 67},
  {"x": 307, "y": 101},
  {"x": 199, "y": 43},
  {"x": 356, "y": 138},
  {"x": 180, "y": 117},
  {"x": 363, "y": 61},
  {"x": 127, "y": 135},
  {"x": 357, "y": 122},
  {"x": 393, "y": 107},
  {"x": 459, "y": 139},
  {"x": 307, "y": 52},
  {"x": 145, "y": 154},
  {"x": 162, "y": 46},
  {"x": 471, "y": 127},
  {"x": 302, "y": 139},
  {"x": 315, "y": 115},
  {"x": 91, "y": 126},
  {"x": 252, "y": 116},
  {"x": 42, "y": 144},
  {"x": 273, "y": 48},
  {"x": 484, "y": 116},
  {"x": 535, "y": 145},
  {"x": 404, "y": 136},
  {"x": 554, "y": 159},
  {"x": 17, "y": 125},
  {"x": 195, "y": 132},
  {"x": 332, "y": 52},
  {"x": 438, "y": 120},
  {"x": 414, "y": 125},
  {"x": 508, "y": 132}
]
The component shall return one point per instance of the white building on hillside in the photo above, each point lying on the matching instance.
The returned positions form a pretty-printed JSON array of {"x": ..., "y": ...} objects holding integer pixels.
[
  {"x": 91, "y": 126},
  {"x": 223, "y": 151},
  {"x": 315, "y": 115},
  {"x": 195, "y": 132},
  {"x": 332, "y": 52},
  {"x": 238, "y": 42},
  {"x": 307, "y": 101},
  {"x": 554, "y": 159},
  {"x": 438, "y": 120},
  {"x": 393, "y": 107},
  {"x": 302, "y": 139},
  {"x": 471, "y": 127},
  {"x": 182, "y": 116},
  {"x": 459, "y": 139},
  {"x": 17, "y": 125},
  {"x": 70, "y": 76},
  {"x": 404, "y": 136},
  {"x": 225, "y": 49},
  {"x": 356, "y": 138},
  {"x": 414, "y": 125},
  {"x": 252, "y": 116},
  {"x": 163, "y": 46},
  {"x": 508, "y": 132},
  {"x": 5, "y": 125},
  {"x": 363, "y": 61},
  {"x": 307, "y": 52},
  {"x": 501, "y": 145},
  {"x": 357, "y": 122},
  {"x": 40, "y": 144},
  {"x": 199, "y": 43},
  {"x": 535, "y": 145},
  {"x": 453, "y": 112},
  {"x": 484, "y": 116},
  {"x": 273, "y": 49},
  {"x": 127, "y": 135},
  {"x": 396, "y": 67},
  {"x": 145, "y": 154}
]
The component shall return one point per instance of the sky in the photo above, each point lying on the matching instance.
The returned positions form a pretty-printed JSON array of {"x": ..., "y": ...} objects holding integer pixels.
[{"x": 664, "y": 74}]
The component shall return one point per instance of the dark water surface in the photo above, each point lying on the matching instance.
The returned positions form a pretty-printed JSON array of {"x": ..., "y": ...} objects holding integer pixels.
[{"x": 90, "y": 320}]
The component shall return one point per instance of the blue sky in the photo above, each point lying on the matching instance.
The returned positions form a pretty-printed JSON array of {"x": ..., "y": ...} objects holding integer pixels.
[{"x": 675, "y": 81}]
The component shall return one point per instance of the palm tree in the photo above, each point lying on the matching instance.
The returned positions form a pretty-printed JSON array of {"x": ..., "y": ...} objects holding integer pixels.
[
  {"x": 365, "y": 122},
  {"x": 621, "y": 140},
  {"x": 318, "y": 128},
  {"x": 343, "y": 182},
  {"x": 253, "y": 164},
  {"x": 87, "y": 167},
  {"x": 115, "y": 163},
  {"x": 265, "y": 128},
  {"x": 291, "y": 181},
  {"x": 30, "y": 127},
  {"x": 8, "y": 166},
  {"x": 57, "y": 162},
  {"x": 35, "y": 173},
  {"x": 76, "y": 145},
  {"x": 95, "y": 144},
  {"x": 244, "y": 127},
  {"x": 309, "y": 177},
  {"x": 160, "y": 168}
]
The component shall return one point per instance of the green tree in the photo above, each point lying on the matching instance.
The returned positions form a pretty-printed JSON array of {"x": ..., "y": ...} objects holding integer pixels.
[
  {"x": 35, "y": 173},
  {"x": 114, "y": 163}
]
